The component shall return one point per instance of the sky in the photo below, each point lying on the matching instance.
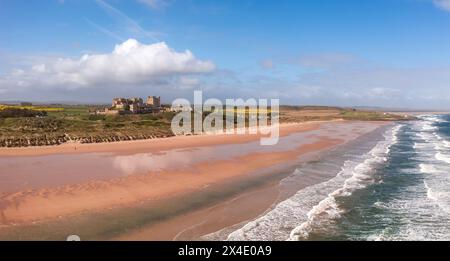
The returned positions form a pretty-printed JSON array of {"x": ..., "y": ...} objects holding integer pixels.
[{"x": 388, "y": 53}]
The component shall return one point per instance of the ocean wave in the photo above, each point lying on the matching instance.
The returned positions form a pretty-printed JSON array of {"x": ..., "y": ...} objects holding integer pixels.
[
  {"x": 409, "y": 232},
  {"x": 426, "y": 137},
  {"x": 328, "y": 210},
  {"x": 437, "y": 136},
  {"x": 427, "y": 126},
  {"x": 315, "y": 207},
  {"x": 413, "y": 213},
  {"x": 439, "y": 194},
  {"x": 443, "y": 157},
  {"x": 430, "y": 194},
  {"x": 432, "y": 118},
  {"x": 431, "y": 142},
  {"x": 418, "y": 145},
  {"x": 437, "y": 119},
  {"x": 428, "y": 169},
  {"x": 420, "y": 210},
  {"x": 435, "y": 158},
  {"x": 447, "y": 144},
  {"x": 441, "y": 143},
  {"x": 278, "y": 223},
  {"x": 419, "y": 217},
  {"x": 391, "y": 205}
]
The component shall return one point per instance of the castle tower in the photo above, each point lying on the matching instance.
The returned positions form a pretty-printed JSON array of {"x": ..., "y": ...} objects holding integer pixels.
[{"x": 154, "y": 101}]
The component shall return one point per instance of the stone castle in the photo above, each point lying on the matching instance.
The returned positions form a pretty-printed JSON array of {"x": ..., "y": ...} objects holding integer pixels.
[{"x": 133, "y": 106}]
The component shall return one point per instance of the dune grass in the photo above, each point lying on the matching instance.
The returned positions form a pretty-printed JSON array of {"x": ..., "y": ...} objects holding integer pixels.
[{"x": 64, "y": 123}]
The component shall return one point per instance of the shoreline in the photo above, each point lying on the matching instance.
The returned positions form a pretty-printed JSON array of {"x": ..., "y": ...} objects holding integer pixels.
[
  {"x": 121, "y": 193},
  {"x": 155, "y": 143},
  {"x": 217, "y": 221}
]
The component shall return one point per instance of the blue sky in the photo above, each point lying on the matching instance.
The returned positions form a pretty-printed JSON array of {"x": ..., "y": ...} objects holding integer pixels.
[{"x": 392, "y": 53}]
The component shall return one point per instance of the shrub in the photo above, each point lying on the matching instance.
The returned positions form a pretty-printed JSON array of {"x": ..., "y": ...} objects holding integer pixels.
[{"x": 18, "y": 113}]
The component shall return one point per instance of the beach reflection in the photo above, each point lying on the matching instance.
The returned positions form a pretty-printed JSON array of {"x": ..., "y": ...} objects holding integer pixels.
[
  {"x": 154, "y": 162},
  {"x": 182, "y": 159}
]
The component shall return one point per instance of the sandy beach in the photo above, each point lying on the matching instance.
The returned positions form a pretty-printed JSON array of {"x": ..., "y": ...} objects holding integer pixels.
[
  {"x": 189, "y": 186},
  {"x": 149, "y": 145}
]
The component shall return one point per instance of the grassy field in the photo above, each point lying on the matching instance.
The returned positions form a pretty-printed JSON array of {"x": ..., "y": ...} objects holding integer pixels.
[
  {"x": 318, "y": 113},
  {"x": 75, "y": 123}
]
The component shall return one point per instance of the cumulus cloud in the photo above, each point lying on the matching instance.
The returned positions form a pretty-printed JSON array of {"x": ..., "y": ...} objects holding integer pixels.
[
  {"x": 129, "y": 63},
  {"x": 443, "y": 4}
]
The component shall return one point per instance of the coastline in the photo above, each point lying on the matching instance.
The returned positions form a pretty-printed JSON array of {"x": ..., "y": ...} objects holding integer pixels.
[
  {"x": 216, "y": 222},
  {"x": 46, "y": 204},
  {"x": 133, "y": 146}
]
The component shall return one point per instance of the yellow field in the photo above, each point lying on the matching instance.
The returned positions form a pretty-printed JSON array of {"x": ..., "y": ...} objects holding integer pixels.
[{"x": 37, "y": 108}]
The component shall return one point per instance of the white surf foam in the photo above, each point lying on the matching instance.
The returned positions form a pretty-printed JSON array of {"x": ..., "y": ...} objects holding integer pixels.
[
  {"x": 427, "y": 125},
  {"x": 428, "y": 168},
  {"x": 443, "y": 157},
  {"x": 426, "y": 137},
  {"x": 432, "y": 143},
  {"x": 279, "y": 222},
  {"x": 415, "y": 214},
  {"x": 438, "y": 192},
  {"x": 297, "y": 216},
  {"x": 419, "y": 146},
  {"x": 430, "y": 194},
  {"x": 435, "y": 158},
  {"x": 436, "y": 119},
  {"x": 421, "y": 211},
  {"x": 361, "y": 176},
  {"x": 446, "y": 144}
]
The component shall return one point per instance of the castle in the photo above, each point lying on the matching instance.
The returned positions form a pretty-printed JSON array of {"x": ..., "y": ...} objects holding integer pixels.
[{"x": 133, "y": 106}]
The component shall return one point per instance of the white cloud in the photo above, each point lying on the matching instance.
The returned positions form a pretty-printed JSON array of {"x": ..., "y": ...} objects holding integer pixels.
[
  {"x": 443, "y": 4},
  {"x": 382, "y": 93},
  {"x": 189, "y": 82},
  {"x": 381, "y": 86},
  {"x": 155, "y": 4},
  {"x": 130, "y": 63}
]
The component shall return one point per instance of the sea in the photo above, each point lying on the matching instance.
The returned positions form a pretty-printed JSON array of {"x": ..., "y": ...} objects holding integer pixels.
[{"x": 395, "y": 185}]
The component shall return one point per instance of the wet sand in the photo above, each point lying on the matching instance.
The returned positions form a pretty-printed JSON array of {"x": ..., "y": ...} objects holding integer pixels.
[
  {"x": 216, "y": 163},
  {"x": 195, "y": 224}
]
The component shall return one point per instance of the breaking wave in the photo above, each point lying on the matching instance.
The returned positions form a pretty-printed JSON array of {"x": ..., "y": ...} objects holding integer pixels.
[{"x": 315, "y": 206}]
